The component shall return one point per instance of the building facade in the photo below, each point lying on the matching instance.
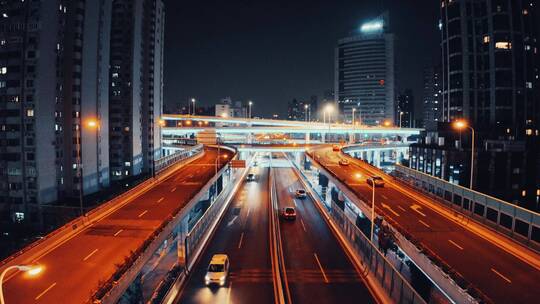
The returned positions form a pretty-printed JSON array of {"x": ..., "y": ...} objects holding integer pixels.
[
  {"x": 365, "y": 73},
  {"x": 405, "y": 109},
  {"x": 54, "y": 103},
  {"x": 432, "y": 96},
  {"x": 136, "y": 86},
  {"x": 490, "y": 78}
]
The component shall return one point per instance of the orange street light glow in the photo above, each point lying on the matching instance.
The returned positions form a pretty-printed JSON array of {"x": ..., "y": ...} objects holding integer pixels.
[
  {"x": 34, "y": 270},
  {"x": 92, "y": 123},
  {"x": 460, "y": 124}
]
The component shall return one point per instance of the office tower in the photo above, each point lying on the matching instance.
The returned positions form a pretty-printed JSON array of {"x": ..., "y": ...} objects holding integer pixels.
[
  {"x": 405, "y": 109},
  {"x": 431, "y": 103},
  {"x": 53, "y": 76},
  {"x": 135, "y": 86},
  {"x": 365, "y": 73}
]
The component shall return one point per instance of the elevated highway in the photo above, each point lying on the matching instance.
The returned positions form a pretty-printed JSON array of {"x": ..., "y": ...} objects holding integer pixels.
[
  {"x": 505, "y": 271},
  {"x": 73, "y": 269}
]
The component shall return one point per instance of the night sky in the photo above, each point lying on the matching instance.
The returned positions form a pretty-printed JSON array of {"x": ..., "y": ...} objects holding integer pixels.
[{"x": 274, "y": 51}]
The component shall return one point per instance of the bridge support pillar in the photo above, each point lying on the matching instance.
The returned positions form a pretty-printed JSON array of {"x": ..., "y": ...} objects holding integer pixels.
[
  {"x": 323, "y": 137},
  {"x": 352, "y": 138},
  {"x": 307, "y": 138}
]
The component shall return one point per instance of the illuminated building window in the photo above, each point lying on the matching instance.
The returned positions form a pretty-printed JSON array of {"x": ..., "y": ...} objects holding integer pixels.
[
  {"x": 30, "y": 112},
  {"x": 486, "y": 39},
  {"x": 504, "y": 45}
]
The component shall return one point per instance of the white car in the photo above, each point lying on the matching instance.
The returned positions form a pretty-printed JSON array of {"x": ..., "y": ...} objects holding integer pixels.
[
  {"x": 301, "y": 193},
  {"x": 218, "y": 270}
]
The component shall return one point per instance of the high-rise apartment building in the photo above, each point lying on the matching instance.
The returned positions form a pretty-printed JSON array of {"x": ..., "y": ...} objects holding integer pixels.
[
  {"x": 432, "y": 101},
  {"x": 490, "y": 78},
  {"x": 405, "y": 109},
  {"x": 365, "y": 73},
  {"x": 490, "y": 65},
  {"x": 136, "y": 86},
  {"x": 53, "y": 82}
]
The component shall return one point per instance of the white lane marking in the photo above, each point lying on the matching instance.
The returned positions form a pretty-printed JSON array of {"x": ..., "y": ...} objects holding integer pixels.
[
  {"x": 90, "y": 254},
  {"x": 417, "y": 208},
  {"x": 501, "y": 275},
  {"x": 424, "y": 223},
  {"x": 384, "y": 196},
  {"x": 402, "y": 209},
  {"x": 142, "y": 213},
  {"x": 232, "y": 221},
  {"x": 455, "y": 244},
  {"x": 173, "y": 189},
  {"x": 229, "y": 293},
  {"x": 247, "y": 215},
  {"x": 160, "y": 200},
  {"x": 118, "y": 232},
  {"x": 320, "y": 266},
  {"x": 385, "y": 206},
  {"x": 241, "y": 239},
  {"x": 303, "y": 226},
  {"x": 45, "y": 291}
]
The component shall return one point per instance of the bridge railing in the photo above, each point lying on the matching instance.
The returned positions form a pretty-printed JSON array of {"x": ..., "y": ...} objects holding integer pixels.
[
  {"x": 169, "y": 160},
  {"x": 518, "y": 223}
]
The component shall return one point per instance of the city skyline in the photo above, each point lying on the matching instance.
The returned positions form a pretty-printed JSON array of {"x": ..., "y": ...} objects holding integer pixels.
[{"x": 212, "y": 52}]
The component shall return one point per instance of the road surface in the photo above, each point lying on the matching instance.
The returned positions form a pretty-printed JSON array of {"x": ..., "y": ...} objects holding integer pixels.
[
  {"x": 244, "y": 236},
  {"x": 503, "y": 277},
  {"x": 318, "y": 270},
  {"x": 73, "y": 269}
]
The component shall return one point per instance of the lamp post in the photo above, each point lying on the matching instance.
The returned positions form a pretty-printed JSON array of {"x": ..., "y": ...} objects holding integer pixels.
[
  {"x": 31, "y": 270},
  {"x": 353, "y": 111},
  {"x": 250, "y": 103},
  {"x": 306, "y": 107},
  {"x": 91, "y": 124},
  {"x": 193, "y": 102},
  {"x": 460, "y": 125},
  {"x": 400, "y": 114}
]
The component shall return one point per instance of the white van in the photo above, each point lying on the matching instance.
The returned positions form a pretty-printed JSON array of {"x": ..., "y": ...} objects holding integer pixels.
[{"x": 218, "y": 270}]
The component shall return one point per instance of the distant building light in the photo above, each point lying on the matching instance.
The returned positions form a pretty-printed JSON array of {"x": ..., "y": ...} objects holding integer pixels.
[
  {"x": 486, "y": 39},
  {"x": 371, "y": 26},
  {"x": 504, "y": 45},
  {"x": 440, "y": 25},
  {"x": 523, "y": 193}
]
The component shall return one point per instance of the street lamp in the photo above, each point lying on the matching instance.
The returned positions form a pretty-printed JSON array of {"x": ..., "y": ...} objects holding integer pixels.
[
  {"x": 328, "y": 109},
  {"x": 193, "y": 101},
  {"x": 92, "y": 123},
  {"x": 386, "y": 123},
  {"x": 31, "y": 270},
  {"x": 400, "y": 114},
  {"x": 353, "y": 110},
  {"x": 250, "y": 103},
  {"x": 461, "y": 125}
]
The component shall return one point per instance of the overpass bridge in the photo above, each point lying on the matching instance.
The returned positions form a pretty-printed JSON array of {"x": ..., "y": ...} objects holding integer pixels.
[{"x": 152, "y": 244}]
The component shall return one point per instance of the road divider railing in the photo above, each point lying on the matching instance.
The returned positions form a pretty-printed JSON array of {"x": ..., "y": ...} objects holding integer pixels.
[
  {"x": 520, "y": 224},
  {"x": 376, "y": 268},
  {"x": 282, "y": 293},
  {"x": 62, "y": 234}
]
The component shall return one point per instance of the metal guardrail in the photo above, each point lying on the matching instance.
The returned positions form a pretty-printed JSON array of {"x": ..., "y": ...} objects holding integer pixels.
[
  {"x": 169, "y": 160},
  {"x": 281, "y": 287},
  {"x": 519, "y": 223}
]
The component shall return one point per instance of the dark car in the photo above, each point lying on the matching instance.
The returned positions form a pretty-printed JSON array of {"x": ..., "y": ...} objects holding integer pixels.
[
  {"x": 288, "y": 213},
  {"x": 250, "y": 177}
]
